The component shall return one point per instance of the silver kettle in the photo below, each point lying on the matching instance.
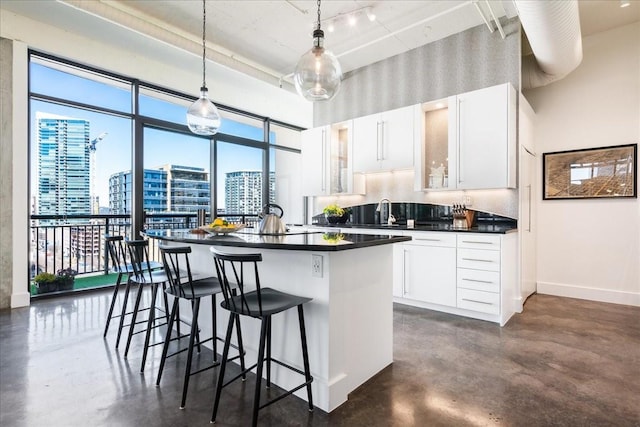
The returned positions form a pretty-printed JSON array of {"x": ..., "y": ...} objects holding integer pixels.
[{"x": 271, "y": 223}]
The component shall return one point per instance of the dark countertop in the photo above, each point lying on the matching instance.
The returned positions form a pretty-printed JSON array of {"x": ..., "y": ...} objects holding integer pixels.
[
  {"x": 448, "y": 227},
  {"x": 296, "y": 241}
]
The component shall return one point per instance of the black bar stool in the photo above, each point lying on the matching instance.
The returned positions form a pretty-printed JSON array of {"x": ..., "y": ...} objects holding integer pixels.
[
  {"x": 261, "y": 303},
  {"x": 182, "y": 286},
  {"x": 144, "y": 276},
  {"x": 120, "y": 264}
]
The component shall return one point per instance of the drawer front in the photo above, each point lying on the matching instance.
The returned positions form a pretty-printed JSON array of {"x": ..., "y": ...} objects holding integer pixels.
[
  {"x": 479, "y": 241},
  {"x": 479, "y": 259},
  {"x": 426, "y": 238},
  {"x": 485, "y": 302},
  {"x": 479, "y": 280}
]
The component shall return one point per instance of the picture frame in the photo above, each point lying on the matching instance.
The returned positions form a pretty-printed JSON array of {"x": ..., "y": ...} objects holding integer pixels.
[{"x": 591, "y": 173}]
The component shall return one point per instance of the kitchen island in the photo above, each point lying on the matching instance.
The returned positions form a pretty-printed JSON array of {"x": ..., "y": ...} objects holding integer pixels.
[{"x": 350, "y": 320}]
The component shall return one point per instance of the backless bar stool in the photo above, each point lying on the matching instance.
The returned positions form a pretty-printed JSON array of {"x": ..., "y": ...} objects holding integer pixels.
[
  {"x": 116, "y": 253},
  {"x": 182, "y": 286},
  {"x": 261, "y": 303},
  {"x": 144, "y": 276}
]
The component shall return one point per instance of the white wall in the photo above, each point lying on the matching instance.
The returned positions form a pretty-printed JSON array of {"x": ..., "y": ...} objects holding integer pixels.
[
  {"x": 229, "y": 88},
  {"x": 590, "y": 248}
]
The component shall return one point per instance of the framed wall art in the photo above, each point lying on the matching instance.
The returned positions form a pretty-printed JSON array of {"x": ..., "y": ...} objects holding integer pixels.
[{"x": 592, "y": 173}]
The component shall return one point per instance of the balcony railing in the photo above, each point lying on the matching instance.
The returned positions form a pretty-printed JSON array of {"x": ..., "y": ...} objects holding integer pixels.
[{"x": 76, "y": 241}]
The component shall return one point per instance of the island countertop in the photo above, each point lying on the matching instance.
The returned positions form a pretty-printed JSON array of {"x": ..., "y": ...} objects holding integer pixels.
[{"x": 298, "y": 241}]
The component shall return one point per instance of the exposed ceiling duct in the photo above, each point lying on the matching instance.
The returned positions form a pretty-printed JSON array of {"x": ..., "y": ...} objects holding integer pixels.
[{"x": 553, "y": 30}]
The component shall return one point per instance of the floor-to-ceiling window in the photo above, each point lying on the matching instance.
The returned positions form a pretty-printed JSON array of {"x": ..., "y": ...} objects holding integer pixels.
[{"x": 112, "y": 151}]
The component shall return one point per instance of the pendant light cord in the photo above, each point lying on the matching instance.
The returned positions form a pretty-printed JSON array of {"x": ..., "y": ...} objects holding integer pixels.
[
  {"x": 318, "y": 14},
  {"x": 204, "y": 43}
]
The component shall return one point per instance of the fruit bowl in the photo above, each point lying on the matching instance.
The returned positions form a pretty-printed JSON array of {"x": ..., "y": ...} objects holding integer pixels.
[{"x": 222, "y": 229}]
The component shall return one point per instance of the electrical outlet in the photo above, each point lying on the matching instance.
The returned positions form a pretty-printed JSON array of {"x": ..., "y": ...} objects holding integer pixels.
[
  {"x": 467, "y": 201},
  {"x": 316, "y": 265}
]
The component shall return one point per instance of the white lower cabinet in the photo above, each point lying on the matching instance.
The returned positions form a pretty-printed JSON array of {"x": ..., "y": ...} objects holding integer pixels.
[
  {"x": 468, "y": 274},
  {"x": 425, "y": 268}
]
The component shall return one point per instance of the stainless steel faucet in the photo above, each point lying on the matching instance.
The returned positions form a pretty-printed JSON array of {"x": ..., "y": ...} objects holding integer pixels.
[{"x": 390, "y": 219}]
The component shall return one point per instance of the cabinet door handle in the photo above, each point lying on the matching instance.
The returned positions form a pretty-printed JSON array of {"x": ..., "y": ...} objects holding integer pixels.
[
  {"x": 476, "y": 259},
  {"x": 378, "y": 144},
  {"x": 476, "y": 280},
  {"x": 382, "y": 140},
  {"x": 460, "y": 138},
  {"x": 404, "y": 272},
  {"x": 480, "y": 243},
  {"x": 479, "y": 302},
  {"x": 323, "y": 176},
  {"x": 529, "y": 203},
  {"x": 428, "y": 240}
]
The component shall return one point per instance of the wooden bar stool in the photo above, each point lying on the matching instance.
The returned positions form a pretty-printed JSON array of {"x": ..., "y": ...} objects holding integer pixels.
[
  {"x": 260, "y": 303},
  {"x": 182, "y": 286}
]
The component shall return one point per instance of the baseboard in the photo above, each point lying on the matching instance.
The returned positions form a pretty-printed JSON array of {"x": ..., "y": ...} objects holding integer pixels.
[
  {"x": 592, "y": 294},
  {"x": 22, "y": 299}
]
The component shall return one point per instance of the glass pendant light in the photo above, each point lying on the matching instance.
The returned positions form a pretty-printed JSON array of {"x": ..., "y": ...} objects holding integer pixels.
[
  {"x": 318, "y": 73},
  {"x": 203, "y": 117}
]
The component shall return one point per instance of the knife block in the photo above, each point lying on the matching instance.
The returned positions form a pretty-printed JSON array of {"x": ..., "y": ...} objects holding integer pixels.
[{"x": 464, "y": 220}]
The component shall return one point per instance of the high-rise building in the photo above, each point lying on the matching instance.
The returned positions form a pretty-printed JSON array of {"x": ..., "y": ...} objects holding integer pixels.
[
  {"x": 243, "y": 192},
  {"x": 170, "y": 188},
  {"x": 63, "y": 165}
]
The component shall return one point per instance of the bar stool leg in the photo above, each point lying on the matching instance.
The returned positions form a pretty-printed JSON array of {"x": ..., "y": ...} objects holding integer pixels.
[
  {"x": 197, "y": 331},
  {"x": 167, "y": 340},
  {"x": 113, "y": 304},
  {"x": 240, "y": 347},
  {"x": 192, "y": 337},
  {"x": 223, "y": 366},
  {"x": 150, "y": 322},
  {"x": 268, "y": 359},
  {"x": 305, "y": 355},
  {"x": 124, "y": 310},
  {"x": 256, "y": 397},
  {"x": 214, "y": 326},
  {"x": 134, "y": 316}
]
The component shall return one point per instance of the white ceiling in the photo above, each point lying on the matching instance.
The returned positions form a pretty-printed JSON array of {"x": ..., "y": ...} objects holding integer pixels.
[{"x": 266, "y": 38}]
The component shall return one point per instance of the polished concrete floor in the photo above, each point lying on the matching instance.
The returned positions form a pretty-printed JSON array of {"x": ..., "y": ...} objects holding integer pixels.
[{"x": 563, "y": 362}]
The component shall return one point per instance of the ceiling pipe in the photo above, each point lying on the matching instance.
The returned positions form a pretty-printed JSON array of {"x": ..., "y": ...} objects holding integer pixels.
[{"x": 553, "y": 30}]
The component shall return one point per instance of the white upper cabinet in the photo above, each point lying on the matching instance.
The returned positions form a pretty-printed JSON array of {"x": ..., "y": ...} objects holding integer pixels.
[
  {"x": 486, "y": 138},
  {"x": 384, "y": 141},
  {"x": 327, "y": 161},
  {"x": 468, "y": 141},
  {"x": 315, "y": 165}
]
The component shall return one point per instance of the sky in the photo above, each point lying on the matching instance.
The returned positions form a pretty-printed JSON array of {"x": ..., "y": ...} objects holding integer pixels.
[{"x": 113, "y": 153}]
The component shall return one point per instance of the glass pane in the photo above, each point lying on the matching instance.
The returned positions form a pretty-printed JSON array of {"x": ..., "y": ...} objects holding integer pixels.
[
  {"x": 61, "y": 81},
  {"x": 436, "y": 148},
  {"x": 284, "y": 137},
  {"x": 239, "y": 181},
  {"x": 163, "y": 106},
  {"x": 176, "y": 177},
  {"x": 245, "y": 127},
  {"x": 285, "y": 168},
  {"x": 73, "y": 154}
]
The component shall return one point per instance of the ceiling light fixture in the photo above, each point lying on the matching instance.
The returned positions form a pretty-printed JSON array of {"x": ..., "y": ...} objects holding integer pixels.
[
  {"x": 625, "y": 3},
  {"x": 318, "y": 74},
  {"x": 353, "y": 20},
  {"x": 203, "y": 117},
  {"x": 370, "y": 14}
]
